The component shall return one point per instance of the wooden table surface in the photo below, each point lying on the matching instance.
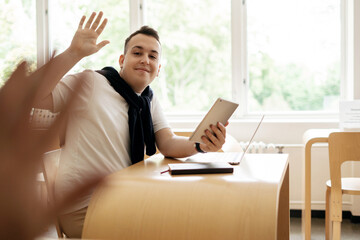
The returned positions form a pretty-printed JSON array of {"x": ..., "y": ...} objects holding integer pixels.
[{"x": 141, "y": 203}]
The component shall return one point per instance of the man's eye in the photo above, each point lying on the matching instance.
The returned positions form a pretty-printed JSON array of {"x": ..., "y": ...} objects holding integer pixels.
[
  {"x": 153, "y": 57},
  {"x": 136, "y": 53}
]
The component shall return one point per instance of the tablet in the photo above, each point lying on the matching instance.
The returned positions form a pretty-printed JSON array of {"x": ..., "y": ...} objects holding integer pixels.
[{"x": 221, "y": 111}]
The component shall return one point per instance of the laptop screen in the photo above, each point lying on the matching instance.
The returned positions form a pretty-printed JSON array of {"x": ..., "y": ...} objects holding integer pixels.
[
  {"x": 252, "y": 138},
  {"x": 233, "y": 158}
]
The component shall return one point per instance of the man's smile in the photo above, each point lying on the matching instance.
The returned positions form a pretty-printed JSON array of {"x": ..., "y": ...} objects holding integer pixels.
[{"x": 142, "y": 69}]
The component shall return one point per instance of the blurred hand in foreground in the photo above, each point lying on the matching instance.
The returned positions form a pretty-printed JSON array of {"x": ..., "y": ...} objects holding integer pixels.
[{"x": 22, "y": 215}]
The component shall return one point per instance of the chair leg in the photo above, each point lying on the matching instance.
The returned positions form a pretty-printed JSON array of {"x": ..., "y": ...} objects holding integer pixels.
[
  {"x": 327, "y": 214},
  {"x": 336, "y": 231},
  {"x": 58, "y": 230}
]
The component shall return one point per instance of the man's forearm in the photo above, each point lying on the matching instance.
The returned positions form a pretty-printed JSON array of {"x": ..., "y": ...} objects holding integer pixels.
[
  {"x": 58, "y": 67},
  {"x": 83, "y": 44},
  {"x": 178, "y": 147}
]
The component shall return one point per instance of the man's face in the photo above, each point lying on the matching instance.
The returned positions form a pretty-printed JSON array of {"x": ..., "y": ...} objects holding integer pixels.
[{"x": 141, "y": 62}]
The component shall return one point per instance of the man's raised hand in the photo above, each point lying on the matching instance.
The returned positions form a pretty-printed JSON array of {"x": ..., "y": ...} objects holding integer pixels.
[{"x": 85, "y": 38}]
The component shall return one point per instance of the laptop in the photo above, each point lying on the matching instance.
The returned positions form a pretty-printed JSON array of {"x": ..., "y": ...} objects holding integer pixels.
[{"x": 233, "y": 158}]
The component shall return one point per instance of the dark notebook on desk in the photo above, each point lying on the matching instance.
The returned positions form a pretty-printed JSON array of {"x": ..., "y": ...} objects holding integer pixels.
[{"x": 199, "y": 168}]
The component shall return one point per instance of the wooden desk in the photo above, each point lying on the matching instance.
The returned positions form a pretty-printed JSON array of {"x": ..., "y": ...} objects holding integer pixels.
[
  {"x": 311, "y": 137},
  {"x": 140, "y": 203}
]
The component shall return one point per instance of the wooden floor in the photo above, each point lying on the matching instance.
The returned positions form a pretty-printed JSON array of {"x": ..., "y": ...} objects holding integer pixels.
[{"x": 348, "y": 230}]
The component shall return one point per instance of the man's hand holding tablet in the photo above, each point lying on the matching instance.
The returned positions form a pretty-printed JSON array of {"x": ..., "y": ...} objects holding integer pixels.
[{"x": 218, "y": 115}]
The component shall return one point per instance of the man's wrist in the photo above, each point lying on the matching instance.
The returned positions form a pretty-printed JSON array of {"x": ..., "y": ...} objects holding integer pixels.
[
  {"x": 73, "y": 55},
  {"x": 197, "y": 148}
]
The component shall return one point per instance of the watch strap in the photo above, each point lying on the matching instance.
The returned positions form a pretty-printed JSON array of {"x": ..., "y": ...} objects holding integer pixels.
[{"x": 197, "y": 147}]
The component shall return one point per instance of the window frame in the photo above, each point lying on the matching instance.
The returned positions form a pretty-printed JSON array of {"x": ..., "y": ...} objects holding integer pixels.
[
  {"x": 42, "y": 32},
  {"x": 350, "y": 56}
]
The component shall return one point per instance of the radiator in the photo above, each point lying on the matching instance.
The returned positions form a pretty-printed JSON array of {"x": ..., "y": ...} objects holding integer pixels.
[
  {"x": 261, "y": 147},
  {"x": 232, "y": 145}
]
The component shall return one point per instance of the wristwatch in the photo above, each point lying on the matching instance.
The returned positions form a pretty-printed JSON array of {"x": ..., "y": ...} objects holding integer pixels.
[{"x": 197, "y": 147}]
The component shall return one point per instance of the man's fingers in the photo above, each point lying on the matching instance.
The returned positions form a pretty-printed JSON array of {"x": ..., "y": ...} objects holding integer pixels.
[
  {"x": 222, "y": 127},
  {"x": 97, "y": 21},
  {"x": 213, "y": 141},
  {"x": 220, "y": 132},
  {"x": 88, "y": 23},
  {"x": 206, "y": 145},
  {"x": 102, "y": 44},
  {"x": 81, "y": 23},
  {"x": 212, "y": 137},
  {"x": 102, "y": 26}
]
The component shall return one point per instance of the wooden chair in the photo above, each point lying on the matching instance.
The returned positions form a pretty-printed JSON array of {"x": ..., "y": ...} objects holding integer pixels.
[
  {"x": 41, "y": 120},
  {"x": 49, "y": 167},
  {"x": 343, "y": 146}
]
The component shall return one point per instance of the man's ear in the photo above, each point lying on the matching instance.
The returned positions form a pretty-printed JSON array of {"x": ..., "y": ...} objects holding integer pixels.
[
  {"x": 158, "y": 70},
  {"x": 121, "y": 60}
]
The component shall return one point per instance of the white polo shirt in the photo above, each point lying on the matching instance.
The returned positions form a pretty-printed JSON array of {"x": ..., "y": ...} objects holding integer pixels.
[{"x": 97, "y": 135}]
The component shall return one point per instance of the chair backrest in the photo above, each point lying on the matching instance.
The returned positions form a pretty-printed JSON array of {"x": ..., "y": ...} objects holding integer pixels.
[
  {"x": 343, "y": 146},
  {"x": 40, "y": 122},
  {"x": 42, "y": 119}
]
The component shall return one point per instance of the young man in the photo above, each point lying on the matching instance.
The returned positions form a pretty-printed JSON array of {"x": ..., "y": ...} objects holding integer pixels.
[{"x": 117, "y": 117}]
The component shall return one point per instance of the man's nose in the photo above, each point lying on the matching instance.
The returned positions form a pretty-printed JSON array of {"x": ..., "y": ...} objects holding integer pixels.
[{"x": 145, "y": 59}]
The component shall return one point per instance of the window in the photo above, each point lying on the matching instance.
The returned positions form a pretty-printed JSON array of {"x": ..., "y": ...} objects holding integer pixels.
[
  {"x": 293, "y": 55},
  {"x": 291, "y": 52},
  {"x": 17, "y": 36},
  {"x": 196, "y": 52},
  {"x": 65, "y": 16}
]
